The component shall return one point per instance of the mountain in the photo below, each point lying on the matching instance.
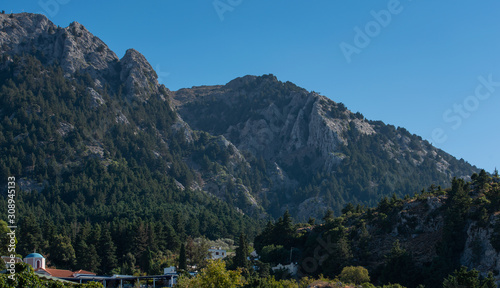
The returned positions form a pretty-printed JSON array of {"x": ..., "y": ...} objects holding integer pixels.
[
  {"x": 101, "y": 160},
  {"x": 314, "y": 153},
  {"x": 95, "y": 141},
  {"x": 257, "y": 143}
]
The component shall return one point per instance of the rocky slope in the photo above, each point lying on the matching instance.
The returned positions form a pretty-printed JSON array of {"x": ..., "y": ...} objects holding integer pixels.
[
  {"x": 118, "y": 86},
  {"x": 77, "y": 50},
  {"x": 302, "y": 134},
  {"x": 258, "y": 143}
]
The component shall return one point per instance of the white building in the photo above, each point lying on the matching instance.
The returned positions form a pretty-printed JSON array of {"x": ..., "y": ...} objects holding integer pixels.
[
  {"x": 217, "y": 253},
  {"x": 170, "y": 270},
  {"x": 290, "y": 268},
  {"x": 36, "y": 261},
  {"x": 8, "y": 261}
]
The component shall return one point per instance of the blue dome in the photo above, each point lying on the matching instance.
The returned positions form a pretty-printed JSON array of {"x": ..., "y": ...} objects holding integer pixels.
[{"x": 34, "y": 255}]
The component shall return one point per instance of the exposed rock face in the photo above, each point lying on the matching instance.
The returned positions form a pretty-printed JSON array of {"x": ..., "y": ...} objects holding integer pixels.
[
  {"x": 280, "y": 133},
  {"x": 419, "y": 228},
  {"x": 312, "y": 206},
  {"x": 73, "y": 47},
  {"x": 19, "y": 28},
  {"x": 290, "y": 127},
  {"x": 298, "y": 124},
  {"x": 97, "y": 99},
  {"x": 138, "y": 76},
  {"x": 77, "y": 51},
  {"x": 478, "y": 250}
]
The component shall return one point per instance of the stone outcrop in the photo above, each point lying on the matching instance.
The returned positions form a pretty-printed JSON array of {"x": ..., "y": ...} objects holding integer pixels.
[
  {"x": 479, "y": 252},
  {"x": 137, "y": 76},
  {"x": 419, "y": 226},
  {"x": 78, "y": 51}
]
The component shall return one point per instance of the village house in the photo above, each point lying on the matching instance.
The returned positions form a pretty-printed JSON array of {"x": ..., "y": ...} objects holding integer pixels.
[
  {"x": 217, "y": 253},
  {"x": 7, "y": 260}
]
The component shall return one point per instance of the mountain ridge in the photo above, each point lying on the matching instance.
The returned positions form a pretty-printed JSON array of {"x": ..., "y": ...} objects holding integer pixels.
[
  {"x": 289, "y": 127},
  {"x": 273, "y": 145}
]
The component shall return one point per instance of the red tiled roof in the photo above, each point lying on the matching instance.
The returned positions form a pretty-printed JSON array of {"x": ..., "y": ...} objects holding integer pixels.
[
  {"x": 84, "y": 272},
  {"x": 59, "y": 273}
]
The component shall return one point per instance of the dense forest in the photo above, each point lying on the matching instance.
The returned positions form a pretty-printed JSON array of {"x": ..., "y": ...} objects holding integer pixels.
[
  {"x": 96, "y": 184},
  {"x": 413, "y": 241},
  {"x": 376, "y": 247}
]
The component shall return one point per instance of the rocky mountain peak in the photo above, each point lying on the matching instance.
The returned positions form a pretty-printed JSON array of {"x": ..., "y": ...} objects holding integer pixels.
[
  {"x": 138, "y": 76},
  {"x": 77, "y": 51},
  {"x": 249, "y": 79},
  {"x": 73, "y": 47},
  {"x": 15, "y": 28}
]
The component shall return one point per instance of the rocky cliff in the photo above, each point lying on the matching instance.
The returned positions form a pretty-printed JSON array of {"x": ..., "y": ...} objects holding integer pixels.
[
  {"x": 302, "y": 135},
  {"x": 77, "y": 50}
]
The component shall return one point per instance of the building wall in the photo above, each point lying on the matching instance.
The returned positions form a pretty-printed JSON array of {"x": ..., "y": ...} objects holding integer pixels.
[
  {"x": 35, "y": 262},
  {"x": 217, "y": 253}
]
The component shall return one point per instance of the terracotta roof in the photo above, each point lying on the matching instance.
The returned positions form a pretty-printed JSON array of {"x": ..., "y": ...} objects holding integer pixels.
[
  {"x": 57, "y": 272},
  {"x": 84, "y": 272}
]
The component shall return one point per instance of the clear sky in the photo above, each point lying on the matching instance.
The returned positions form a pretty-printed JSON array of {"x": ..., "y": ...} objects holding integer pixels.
[{"x": 432, "y": 67}]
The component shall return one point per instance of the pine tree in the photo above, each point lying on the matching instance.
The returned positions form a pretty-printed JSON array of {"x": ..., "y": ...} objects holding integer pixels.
[
  {"x": 483, "y": 180},
  {"x": 148, "y": 261},
  {"x": 489, "y": 282},
  {"x": 140, "y": 243},
  {"x": 108, "y": 252},
  {"x": 240, "y": 259},
  {"x": 30, "y": 236},
  {"x": 463, "y": 278},
  {"x": 329, "y": 216},
  {"x": 348, "y": 208},
  {"x": 399, "y": 267},
  {"x": 182, "y": 258},
  {"x": 62, "y": 253}
]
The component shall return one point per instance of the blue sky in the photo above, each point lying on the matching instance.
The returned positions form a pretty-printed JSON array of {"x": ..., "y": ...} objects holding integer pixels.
[{"x": 429, "y": 66}]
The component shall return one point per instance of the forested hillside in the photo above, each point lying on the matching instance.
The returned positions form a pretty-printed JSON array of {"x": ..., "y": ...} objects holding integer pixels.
[
  {"x": 89, "y": 182},
  {"x": 414, "y": 241},
  {"x": 114, "y": 171}
]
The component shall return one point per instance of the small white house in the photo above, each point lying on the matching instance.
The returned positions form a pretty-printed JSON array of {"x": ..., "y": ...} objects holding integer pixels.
[
  {"x": 170, "y": 270},
  {"x": 217, "y": 253},
  {"x": 8, "y": 261},
  {"x": 291, "y": 268}
]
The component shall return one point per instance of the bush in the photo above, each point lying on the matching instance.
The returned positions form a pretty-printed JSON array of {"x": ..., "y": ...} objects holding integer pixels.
[
  {"x": 215, "y": 275},
  {"x": 354, "y": 275}
]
